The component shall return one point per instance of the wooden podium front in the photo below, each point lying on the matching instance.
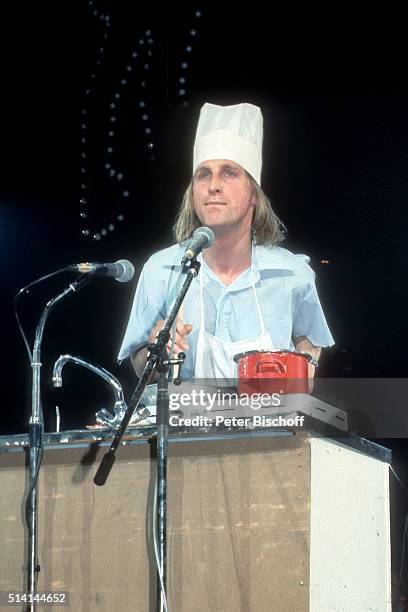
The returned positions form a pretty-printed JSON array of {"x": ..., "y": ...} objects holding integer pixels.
[{"x": 257, "y": 522}]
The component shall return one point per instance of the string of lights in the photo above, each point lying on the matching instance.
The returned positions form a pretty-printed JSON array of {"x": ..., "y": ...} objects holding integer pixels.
[{"x": 137, "y": 71}]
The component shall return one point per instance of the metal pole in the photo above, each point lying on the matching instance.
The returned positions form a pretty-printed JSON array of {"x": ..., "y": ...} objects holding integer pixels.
[
  {"x": 36, "y": 442},
  {"x": 162, "y": 444}
]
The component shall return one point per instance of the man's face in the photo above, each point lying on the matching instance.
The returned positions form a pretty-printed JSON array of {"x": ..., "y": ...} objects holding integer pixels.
[{"x": 223, "y": 196}]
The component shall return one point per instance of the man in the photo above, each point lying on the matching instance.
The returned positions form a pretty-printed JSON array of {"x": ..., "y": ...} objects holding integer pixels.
[{"x": 250, "y": 293}]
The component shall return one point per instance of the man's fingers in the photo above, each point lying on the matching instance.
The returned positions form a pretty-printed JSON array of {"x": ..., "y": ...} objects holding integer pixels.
[
  {"x": 178, "y": 348},
  {"x": 183, "y": 328},
  {"x": 159, "y": 325},
  {"x": 181, "y": 342}
]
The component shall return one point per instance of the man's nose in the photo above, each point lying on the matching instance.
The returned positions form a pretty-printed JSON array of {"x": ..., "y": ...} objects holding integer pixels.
[{"x": 214, "y": 184}]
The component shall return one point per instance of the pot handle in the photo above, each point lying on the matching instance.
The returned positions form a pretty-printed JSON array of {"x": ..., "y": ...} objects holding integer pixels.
[{"x": 270, "y": 366}]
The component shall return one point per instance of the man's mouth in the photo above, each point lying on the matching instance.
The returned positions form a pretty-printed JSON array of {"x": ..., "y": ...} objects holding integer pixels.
[{"x": 215, "y": 203}]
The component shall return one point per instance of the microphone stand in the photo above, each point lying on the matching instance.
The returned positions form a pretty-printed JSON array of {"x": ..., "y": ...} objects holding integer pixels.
[
  {"x": 36, "y": 430},
  {"x": 156, "y": 360}
]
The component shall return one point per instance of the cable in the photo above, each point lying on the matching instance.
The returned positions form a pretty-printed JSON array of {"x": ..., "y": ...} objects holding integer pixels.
[
  {"x": 396, "y": 476},
  {"x": 174, "y": 326},
  {"x": 25, "y": 289},
  {"x": 156, "y": 545},
  {"x": 405, "y": 534},
  {"x": 41, "y": 416},
  {"x": 404, "y": 538},
  {"x": 154, "y": 505},
  {"x": 37, "y": 471}
]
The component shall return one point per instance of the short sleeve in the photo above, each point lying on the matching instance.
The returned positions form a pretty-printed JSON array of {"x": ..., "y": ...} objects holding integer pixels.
[
  {"x": 146, "y": 310},
  {"x": 309, "y": 319}
]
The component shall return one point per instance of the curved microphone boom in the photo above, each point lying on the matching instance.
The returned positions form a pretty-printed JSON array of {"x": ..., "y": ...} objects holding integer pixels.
[
  {"x": 202, "y": 238},
  {"x": 122, "y": 270}
]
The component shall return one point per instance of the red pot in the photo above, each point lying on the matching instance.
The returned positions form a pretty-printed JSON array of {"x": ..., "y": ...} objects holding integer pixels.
[{"x": 270, "y": 372}]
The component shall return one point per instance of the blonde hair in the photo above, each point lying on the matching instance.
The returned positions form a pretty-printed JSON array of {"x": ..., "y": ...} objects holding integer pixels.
[{"x": 267, "y": 228}]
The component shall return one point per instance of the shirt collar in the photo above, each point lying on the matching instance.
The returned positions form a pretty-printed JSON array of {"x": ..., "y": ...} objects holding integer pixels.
[
  {"x": 263, "y": 258},
  {"x": 271, "y": 258}
]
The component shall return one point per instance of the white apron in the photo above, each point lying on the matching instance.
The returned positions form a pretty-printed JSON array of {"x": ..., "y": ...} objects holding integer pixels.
[{"x": 214, "y": 358}]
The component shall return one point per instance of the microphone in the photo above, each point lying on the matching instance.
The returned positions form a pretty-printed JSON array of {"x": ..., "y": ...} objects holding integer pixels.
[
  {"x": 202, "y": 238},
  {"x": 122, "y": 270}
]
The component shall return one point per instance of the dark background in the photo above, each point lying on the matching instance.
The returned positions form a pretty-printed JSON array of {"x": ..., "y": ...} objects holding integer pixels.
[{"x": 332, "y": 88}]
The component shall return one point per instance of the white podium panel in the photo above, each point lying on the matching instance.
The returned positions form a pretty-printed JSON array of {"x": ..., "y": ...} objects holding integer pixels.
[{"x": 350, "y": 550}]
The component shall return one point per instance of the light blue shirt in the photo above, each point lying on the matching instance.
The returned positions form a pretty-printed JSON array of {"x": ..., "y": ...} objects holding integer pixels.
[{"x": 286, "y": 291}]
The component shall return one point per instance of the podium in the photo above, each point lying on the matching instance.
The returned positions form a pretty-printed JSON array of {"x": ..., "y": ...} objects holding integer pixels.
[{"x": 258, "y": 521}]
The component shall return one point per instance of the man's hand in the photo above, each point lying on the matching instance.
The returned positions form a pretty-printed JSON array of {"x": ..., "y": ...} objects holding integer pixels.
[
  {"x": 181, "y": 332},
  {"x": 138, "y": 359},
  {"x": 302, "y": 343}
]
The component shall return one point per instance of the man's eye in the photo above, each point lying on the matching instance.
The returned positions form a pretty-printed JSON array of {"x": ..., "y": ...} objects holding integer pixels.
[
  {"x": 203, "y": 175},
  {"x": 230, "y": 172}
]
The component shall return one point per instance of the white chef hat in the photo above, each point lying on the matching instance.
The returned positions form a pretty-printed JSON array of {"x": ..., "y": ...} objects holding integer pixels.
[{"x": 230, "y": 132}]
